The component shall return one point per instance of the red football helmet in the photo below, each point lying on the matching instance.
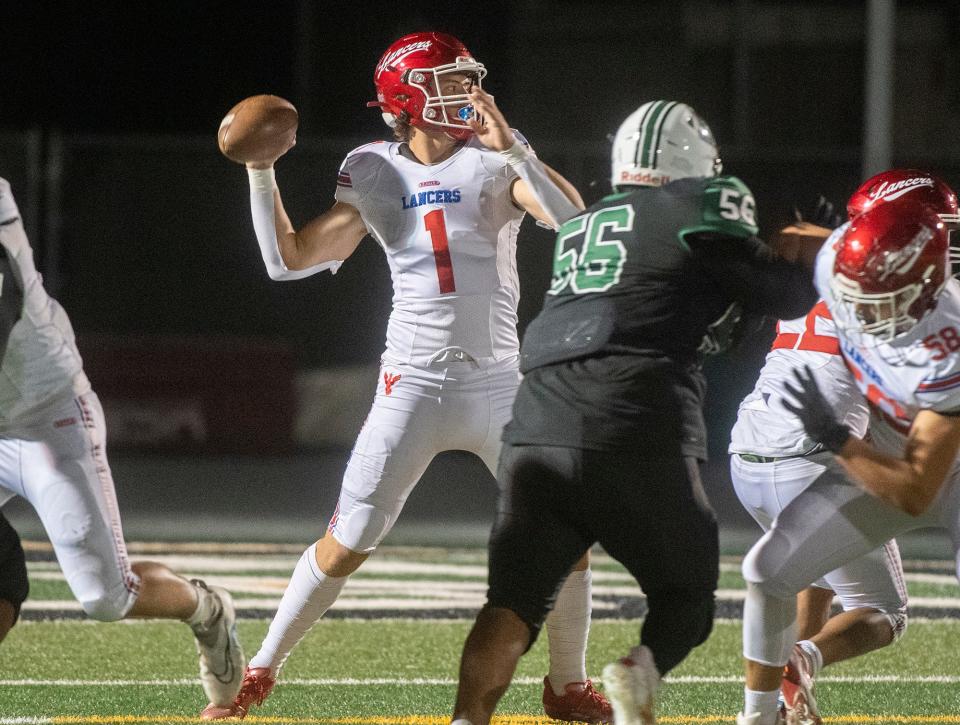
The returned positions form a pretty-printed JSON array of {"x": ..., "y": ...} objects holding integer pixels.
[
  {"x": 906, "y": 186},
  {"x": 891, "y": 265},
  {"x": 408, "y": 78}
]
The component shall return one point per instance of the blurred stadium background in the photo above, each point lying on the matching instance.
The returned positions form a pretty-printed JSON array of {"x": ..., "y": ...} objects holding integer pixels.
[{"x": 232, "y": 401}]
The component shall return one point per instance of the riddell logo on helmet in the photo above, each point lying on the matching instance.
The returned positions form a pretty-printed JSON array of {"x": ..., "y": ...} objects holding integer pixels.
[
  {"x": 400, "y": 52},
  {"x": 889, "y": 192},
  {"x": 643, "y": 178}
]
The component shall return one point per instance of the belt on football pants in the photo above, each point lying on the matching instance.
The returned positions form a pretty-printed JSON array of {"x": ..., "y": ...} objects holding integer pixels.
[
  {"x": 753, "y": 458},
  {"x": 452, "y": 355}
]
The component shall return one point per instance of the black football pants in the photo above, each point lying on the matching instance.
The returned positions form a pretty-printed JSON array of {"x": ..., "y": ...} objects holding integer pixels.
[{"x": 648, "y": 512}]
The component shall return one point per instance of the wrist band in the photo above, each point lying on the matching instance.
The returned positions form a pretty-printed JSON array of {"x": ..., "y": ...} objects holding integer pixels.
[
  {"x": 262, "y": 179},
  {"x": 516, "y": 154}
]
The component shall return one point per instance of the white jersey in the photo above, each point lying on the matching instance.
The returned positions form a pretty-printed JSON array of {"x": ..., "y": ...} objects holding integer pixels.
[
  {"x": 917, "y": 371},
  {"x": 41, "y": 364},
  {"x": 764, "y": 427},
  {"x": 449, "y": 231}
]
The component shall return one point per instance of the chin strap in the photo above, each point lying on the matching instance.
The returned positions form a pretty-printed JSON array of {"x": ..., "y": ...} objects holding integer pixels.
[{"x": 550, "y": 197}]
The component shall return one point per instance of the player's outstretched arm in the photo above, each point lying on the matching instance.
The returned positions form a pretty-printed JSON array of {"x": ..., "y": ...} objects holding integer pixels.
[
  {"x": 540, "y": 190},
  {"x": 913, "y": 482},
  {"x": 290, "y": 254},
  {"x": 910, "y": 483}
]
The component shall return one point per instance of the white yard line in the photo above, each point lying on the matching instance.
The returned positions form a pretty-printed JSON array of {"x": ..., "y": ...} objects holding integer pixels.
[{"x": 449, "y": 682}]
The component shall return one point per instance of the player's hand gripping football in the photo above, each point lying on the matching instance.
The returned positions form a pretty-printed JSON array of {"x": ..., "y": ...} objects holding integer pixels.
[
  {"x": 488, "y": 122},
  {"x": 813, "y": 410}
]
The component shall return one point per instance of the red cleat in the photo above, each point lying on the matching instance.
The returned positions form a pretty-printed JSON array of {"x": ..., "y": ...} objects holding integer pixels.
[
  {"x": 797, "y": 689},
  {"x": 256, "y": 685},
  {"x": 579, "y": 703}
]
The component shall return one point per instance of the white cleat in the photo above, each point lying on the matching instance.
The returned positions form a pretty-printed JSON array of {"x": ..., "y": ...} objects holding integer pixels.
[
  {"x": 631, "y": 685},
  {"x": 754, "y": 719},
  {"x": 797, "y": 689},
  {"x": 221, "y": 656}
]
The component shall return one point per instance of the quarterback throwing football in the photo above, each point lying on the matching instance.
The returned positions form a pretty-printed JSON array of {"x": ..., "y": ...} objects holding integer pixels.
[{"x": 444, "y": 201}]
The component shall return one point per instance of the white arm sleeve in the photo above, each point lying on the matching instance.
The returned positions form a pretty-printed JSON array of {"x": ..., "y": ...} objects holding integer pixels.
[
  {"x": 262, "y": 184},
  {"x": 550, "y": 196}
]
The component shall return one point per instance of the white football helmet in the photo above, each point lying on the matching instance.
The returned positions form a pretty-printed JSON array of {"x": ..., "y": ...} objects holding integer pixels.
[{"x": 660, "y": 142}]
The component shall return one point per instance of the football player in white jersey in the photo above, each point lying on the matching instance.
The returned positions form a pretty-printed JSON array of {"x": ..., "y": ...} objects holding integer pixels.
[
  {"x": 772, "y": 460},
  {"x": 445, "y": 203},
  {"x": 886, "y": 282},
  {"x": 53, "y": 453}
]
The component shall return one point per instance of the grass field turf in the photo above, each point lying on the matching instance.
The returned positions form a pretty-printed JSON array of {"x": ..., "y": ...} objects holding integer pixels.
[{"x": 402, "y": 670}]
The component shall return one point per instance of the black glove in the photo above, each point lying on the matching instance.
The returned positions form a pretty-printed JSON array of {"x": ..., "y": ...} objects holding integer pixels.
[
  {"x": 813, "y": 410},
  {"x": 824, "y": 214}
]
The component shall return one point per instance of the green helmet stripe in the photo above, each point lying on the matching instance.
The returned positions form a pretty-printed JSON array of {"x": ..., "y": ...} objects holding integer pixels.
[
  {"x": 660, "y": 125},
  {"x": 647, "y": 149},
  {"x": 643, "y": 119}
]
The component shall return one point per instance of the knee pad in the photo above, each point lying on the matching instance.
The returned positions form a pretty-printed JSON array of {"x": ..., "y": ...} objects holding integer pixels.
[
  {"x": 764, "y": 564},
  {"x": 101, "y": 600},
  {"x": 108, "y": 608},
  {"x": 677, "y": 621}
]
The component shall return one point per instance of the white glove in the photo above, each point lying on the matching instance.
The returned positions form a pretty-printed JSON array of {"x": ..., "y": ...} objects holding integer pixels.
[{"x": 8, "y": 206}]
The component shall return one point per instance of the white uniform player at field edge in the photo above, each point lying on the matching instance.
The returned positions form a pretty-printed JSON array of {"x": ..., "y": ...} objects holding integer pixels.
[
  {"x": 772, "y": 460},
  {"x": 53, "y": 453},
  {"x": 444, "y": 202},
  {"x": 886, "y": 284}
]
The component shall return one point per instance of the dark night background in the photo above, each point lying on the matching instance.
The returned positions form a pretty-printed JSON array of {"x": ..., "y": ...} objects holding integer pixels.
[{"x": 108, "y": 119}]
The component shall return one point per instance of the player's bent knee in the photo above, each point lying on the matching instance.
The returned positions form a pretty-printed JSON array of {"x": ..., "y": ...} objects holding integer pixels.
[
  {"x": 765, "y": 565},
  {"x": 107, "y": 608}
]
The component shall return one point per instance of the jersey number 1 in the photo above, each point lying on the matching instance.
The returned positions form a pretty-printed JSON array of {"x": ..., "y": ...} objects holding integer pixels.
[{"x": 437, "y": 227}]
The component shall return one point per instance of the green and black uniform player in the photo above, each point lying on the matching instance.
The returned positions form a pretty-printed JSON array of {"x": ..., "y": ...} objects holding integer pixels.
[
  {"x": 608, "y": 428},
  {"x": 607, "y": 431}
]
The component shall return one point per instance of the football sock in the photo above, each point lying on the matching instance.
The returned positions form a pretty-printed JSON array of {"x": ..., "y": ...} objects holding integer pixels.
[
  {"x": 816, "y": 657},
  {"x": 208, "y": 608},
  {"x": 308, "y": 596},
  {"x": 568, "y": 626},
  {"x": 764, "y": 703},
  {"x": 769, "y": 627}
]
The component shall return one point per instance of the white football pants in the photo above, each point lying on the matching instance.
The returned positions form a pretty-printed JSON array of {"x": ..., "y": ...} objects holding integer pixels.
[
  {"x": 417, "y": 413},
  {"x": 826, "y": 526},
  {"x": 874, "y": 580},
  {"x": 59, "y": 464}
]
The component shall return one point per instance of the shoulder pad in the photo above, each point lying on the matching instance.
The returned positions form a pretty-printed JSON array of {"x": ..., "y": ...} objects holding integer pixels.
[{"x": 726, "y": 207}]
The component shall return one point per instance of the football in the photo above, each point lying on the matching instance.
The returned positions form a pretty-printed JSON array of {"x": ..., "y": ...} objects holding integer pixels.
[{"x": 259, "y": 129}]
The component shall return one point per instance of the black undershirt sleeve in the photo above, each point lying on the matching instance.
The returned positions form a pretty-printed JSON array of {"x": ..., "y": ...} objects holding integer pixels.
[{"x": 748, "y": 270}]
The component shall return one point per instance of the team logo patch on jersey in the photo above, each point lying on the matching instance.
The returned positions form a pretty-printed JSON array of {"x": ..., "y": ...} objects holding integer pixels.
[
  {"x": 389, "y": 381},
  {"x": 432, "y": 182},
  {"x": 434, "y": 196}
]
